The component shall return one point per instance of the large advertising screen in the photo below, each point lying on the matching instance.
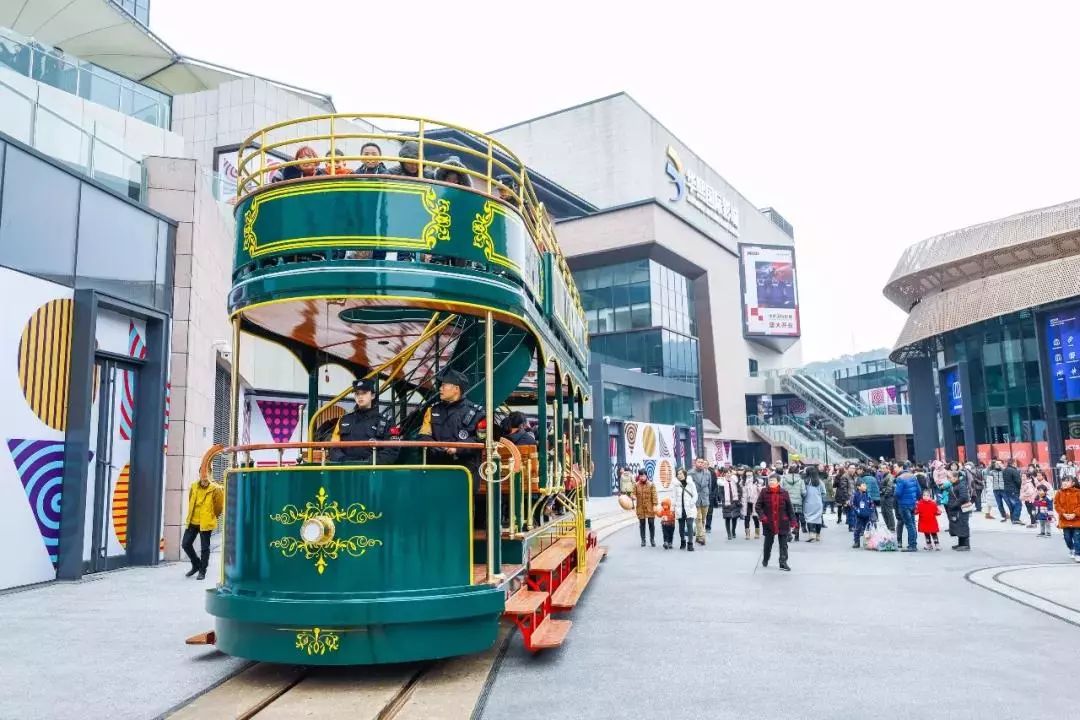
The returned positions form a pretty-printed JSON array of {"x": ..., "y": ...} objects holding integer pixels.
[
  {"x": 1063, "y": 345},
  {"x": 770, "y": 290},
  {"x": 953, "y": 392}
]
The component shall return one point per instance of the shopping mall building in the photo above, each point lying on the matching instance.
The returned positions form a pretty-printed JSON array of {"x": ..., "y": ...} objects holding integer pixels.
[
  {"x": 116, "y": 153},
  {"x": 992, "y": 337}
]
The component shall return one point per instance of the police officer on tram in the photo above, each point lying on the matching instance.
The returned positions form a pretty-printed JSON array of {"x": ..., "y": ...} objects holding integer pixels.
[
  {"x": 363, "y": 423},
  {"x": 454, "y": 418}
]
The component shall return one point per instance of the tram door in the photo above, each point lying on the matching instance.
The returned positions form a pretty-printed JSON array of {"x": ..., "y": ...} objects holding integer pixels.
[{"x": 112, "y": 475}]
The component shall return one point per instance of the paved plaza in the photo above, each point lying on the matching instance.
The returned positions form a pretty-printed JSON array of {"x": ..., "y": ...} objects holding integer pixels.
[
  {"x": 657, "y": 634},
  {"x": 848, "y": 634}
]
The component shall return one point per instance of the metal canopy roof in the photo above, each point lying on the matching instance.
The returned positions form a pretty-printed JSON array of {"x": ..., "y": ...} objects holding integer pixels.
[
  {"x": 962, "y": 256},
  {"x": 100, "y": 32}
]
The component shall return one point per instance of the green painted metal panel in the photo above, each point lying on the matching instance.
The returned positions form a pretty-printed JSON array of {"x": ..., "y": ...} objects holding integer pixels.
[
  {"x": 395, "y": 529},
  {"x": 364, "y": 213}
]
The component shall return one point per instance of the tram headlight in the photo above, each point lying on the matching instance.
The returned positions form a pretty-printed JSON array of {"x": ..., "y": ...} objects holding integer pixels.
[{"x": 318, "y": 530}]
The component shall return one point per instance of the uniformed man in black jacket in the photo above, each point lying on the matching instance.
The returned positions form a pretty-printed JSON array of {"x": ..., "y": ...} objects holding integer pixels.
[
  {"x": 363, "y": 423},
  {"x": 519, "y": 429},
  {"x": 454, "y": 418}
]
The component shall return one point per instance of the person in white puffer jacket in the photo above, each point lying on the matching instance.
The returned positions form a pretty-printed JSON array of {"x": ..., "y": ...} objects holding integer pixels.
[
  {"x": 684, "y": 502},
  {"x": 751, "y": 486}
]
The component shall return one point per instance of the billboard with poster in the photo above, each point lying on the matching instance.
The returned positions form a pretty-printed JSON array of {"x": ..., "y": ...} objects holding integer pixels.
[
  {"x": 226, "y": 159},
  {"x": 770, "y": 291},
  {"x": 1063, "y": 345}
]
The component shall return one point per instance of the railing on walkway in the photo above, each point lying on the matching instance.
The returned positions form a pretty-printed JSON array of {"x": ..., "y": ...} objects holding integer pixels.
[
  {"x": 28, "y": 121},
  {"x": 83, "y": 79}
]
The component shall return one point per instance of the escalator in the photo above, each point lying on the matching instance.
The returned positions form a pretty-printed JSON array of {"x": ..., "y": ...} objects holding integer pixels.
[{"x": 832, "y": 402}]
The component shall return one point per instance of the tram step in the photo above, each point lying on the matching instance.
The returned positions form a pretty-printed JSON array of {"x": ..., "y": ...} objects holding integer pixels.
[
  {"x": 550, "y": 634},
  {"x": 571, "y": 589},
  {"x": 552, "y": 558},
  {"x": 525, "y": 602}
]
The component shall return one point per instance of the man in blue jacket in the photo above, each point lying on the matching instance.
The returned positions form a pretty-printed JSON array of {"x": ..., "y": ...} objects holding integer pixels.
[{"x": 907, "y": 494}]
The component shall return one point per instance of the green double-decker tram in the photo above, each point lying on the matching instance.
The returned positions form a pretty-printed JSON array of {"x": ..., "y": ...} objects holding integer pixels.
[{"x": 404, "y": 255}]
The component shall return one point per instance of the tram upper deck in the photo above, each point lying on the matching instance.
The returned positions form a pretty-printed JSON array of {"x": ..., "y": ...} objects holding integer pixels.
[{"x": 342, "y": 226}]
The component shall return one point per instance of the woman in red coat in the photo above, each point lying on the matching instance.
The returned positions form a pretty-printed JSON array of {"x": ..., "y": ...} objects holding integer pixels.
[{"x": 927, "y": 511}]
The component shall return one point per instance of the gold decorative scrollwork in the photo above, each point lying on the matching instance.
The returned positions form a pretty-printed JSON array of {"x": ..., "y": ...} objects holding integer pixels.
[
  {"x": 327, "y": 547},
  {"x": 251, "y": 242},
  {"x": 356, "y": 513},
  {"x": 481, "y": 227},
  {"x": 438, "y": 229},
  {"x": 317, "y": 641}
]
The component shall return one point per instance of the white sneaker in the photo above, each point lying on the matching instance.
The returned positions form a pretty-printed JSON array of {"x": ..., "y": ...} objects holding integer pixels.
[{"x": 1076, "y": 558}]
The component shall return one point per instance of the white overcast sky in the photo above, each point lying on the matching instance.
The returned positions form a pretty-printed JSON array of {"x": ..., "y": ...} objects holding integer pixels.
[{"x": 868, "y": 125}]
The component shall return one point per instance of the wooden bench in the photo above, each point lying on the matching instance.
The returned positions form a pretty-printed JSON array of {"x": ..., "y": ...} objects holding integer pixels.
[
  {"x": 572, "y": 587},
  {"x": 530, "y": 610},
  {"x": 550, "y": 634}
]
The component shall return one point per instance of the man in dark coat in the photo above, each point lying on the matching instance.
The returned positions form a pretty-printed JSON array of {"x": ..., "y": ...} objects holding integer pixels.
[
  {"x": 959, "y": 527},
  {"x": 363, "y": 423},
  {"x": 456, "y": 419},
  {"x": 1012, "y": 480},
  {"x": 519, "y": 432},
  {"x": 777, "y": 516}
]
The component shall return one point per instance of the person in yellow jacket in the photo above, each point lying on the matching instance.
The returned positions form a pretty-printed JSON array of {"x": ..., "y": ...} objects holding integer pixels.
[{"x": 206, "y": 500}]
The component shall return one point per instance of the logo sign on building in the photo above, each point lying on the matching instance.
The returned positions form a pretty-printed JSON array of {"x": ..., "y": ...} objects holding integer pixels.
[
  {"x": 770, "y": 291},
  {"x": 1063, "y": 346},
  {"x": 691, "y": 188},
  {"x": 953, "y": 392}
]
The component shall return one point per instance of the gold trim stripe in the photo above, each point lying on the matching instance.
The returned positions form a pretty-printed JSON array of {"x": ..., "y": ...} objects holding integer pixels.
[{"x": 44, "y": 359}]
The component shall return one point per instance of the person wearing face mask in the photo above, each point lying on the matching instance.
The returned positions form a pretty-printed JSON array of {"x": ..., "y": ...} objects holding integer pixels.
[
  {"x": 686, "y": 496},
  {"x": 778, "y": 519}
]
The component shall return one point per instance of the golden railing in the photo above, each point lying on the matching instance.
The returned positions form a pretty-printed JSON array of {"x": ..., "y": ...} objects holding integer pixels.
[{"x": 335, "y": 137}]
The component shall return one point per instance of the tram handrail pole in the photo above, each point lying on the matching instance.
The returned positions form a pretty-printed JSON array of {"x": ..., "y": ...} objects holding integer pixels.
[{"x": 491, "y": 475}]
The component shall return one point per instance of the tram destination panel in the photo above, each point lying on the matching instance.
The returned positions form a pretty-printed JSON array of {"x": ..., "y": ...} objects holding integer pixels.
[{"x": 770, "y": 291}]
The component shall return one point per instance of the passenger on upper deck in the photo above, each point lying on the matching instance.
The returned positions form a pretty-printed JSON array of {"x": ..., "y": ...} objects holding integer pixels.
[
  {"x": 452, "y": 176},
  {"x": 335, "y": 166},
  {"x": 308, "y": 169},
  {"x": 363, "y": 423},
  {"x": 371, "y": 167},
  {"x": 506, "y": 188},
  {"x": 410, "y": 149}
]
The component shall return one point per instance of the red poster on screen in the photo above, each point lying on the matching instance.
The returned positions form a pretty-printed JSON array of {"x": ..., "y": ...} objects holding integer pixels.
[
  {"x": 1042, "y": 453},
  {"x": 1072, "y": 449},
  {"x": 985, "y": 453}
]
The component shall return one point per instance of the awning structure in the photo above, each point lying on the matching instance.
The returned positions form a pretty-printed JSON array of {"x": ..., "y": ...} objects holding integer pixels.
[{"x": 100, "y": 32}]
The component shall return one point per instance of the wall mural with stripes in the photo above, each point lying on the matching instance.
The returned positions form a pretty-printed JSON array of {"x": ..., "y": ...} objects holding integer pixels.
[{"x": 35, "y": 355}]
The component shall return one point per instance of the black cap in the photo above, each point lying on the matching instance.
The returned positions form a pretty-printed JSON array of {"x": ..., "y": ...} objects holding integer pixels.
[
  {"x": 364, "y": 386},
  {"x": 454, "y": 377}
]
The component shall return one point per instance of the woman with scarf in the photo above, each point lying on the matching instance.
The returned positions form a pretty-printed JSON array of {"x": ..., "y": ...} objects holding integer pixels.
[
  {"x": 751, "y": 488},
  {"x": 730, "y": 500}
]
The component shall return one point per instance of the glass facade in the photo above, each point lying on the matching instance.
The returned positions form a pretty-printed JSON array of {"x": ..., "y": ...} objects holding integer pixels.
[
  {"x": 84, "y": 79},
  {"x": 646, "y": 406},
  {"x": 56, "y": 226},
  {"x": 138, "y": 9},
  {"x": 1006, "y": 398},
  {"x": 641, "y": 317}
]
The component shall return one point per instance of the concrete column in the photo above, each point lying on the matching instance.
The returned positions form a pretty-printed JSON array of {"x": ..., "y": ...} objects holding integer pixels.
[
  {"x": 776, "y": 454},
  {"x": 900, "y": 447},
  {"x": 924, "y": 411}
]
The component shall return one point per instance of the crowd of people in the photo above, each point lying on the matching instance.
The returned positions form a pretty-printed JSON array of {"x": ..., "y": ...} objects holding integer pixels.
[{"x": 789, "y": 502}]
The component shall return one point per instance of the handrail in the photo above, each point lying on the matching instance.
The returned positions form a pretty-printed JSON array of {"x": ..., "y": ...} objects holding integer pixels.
[
  {"x": 254, "y": 171},
  {"x": 215, "y": 450}
]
